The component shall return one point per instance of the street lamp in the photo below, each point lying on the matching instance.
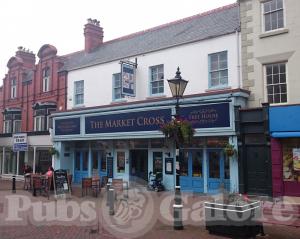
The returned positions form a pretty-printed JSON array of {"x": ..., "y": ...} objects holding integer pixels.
[{"x": 177, "y": 86}]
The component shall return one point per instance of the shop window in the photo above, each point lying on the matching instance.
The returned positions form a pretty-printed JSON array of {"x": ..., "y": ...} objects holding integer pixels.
[
  {"x": 79, "y": 93},
  {"x": 184, "y": 162},
  {"x": 157, "y": 80},
  {"x": 291, "y": 159},
  {"x": 218, "y": 69},
  {"x": 85, "y": 161},
  {"x": 77, "y": 161},
  {"x": 46, "y": 79},
  {"x": 103, "y": 163},
  {"x": 120, "y": 162},
  {"x": 226, "y": 168},
  {"x": 157, "y": 162},
  {"x": 95, "y": 160},
  {"x": 197, "y": 163},
  {"x": 273, "y": 15},
  {"x": 214, "y": 165},
  {"x": 276, "y": 83},
  {"x": 117, "y": 87}
]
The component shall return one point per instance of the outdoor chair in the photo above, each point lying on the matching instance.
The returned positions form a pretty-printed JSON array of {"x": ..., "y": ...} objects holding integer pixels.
[
  {"x": 86, "y": 186},
  {"x": 96, "y": 187},
  {"x": 70, "y": 179}
]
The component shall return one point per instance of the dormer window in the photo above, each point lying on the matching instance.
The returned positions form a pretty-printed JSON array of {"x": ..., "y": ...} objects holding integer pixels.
[
  {"x": 13, "y": 90},
  {"x": 46, "y": 79}
]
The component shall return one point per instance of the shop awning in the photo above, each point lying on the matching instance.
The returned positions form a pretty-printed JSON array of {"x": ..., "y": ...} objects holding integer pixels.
[{"x": 286, "y": 134}]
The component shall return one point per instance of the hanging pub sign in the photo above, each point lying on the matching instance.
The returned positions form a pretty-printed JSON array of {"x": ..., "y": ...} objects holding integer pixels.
[{"x": 128, "y": 79}]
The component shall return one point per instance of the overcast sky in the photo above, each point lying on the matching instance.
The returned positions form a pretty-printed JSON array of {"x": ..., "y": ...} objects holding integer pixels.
[{"x": 33, "y": 23}]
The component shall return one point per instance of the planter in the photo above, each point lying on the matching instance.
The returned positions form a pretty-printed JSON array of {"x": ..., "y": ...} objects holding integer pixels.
[{"x": 233, "y": 220}]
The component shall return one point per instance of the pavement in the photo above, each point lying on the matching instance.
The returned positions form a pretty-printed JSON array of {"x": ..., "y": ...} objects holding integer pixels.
[{"x": 143, "y": 214}]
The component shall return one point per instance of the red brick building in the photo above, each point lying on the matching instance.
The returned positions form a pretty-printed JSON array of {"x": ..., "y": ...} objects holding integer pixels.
[{"x": 28, "y": 95}]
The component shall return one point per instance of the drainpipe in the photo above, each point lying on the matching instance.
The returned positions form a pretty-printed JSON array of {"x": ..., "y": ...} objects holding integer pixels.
[{"x": 238, "y": 57}]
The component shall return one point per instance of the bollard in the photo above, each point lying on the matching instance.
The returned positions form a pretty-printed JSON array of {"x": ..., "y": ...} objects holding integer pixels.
[
  {"x": 107, "y": 190},
  {"x": 111, "y": 200},
  {"x": 177, "y": 209},
  {"x": 14, "y": 184}
]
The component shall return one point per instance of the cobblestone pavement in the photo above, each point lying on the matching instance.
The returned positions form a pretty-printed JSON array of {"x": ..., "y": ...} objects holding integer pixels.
[{"x": 143, "y": 215}]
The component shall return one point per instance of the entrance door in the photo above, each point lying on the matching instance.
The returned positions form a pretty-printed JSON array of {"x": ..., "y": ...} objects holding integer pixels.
[
  {"x": 139, "y": 164},
  {"x": 99, "y": 164},
  {"x": 218, "y": 171},
  {"x": 191, "y": 168},
  {"x": 81, "y": 165},
  {"x": 257, "y": 173}
]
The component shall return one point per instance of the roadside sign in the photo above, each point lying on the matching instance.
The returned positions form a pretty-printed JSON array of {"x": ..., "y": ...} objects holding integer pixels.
[{"x": 20, "y": 142}]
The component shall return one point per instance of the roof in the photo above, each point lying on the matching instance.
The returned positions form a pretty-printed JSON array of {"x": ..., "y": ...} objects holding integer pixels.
[{"x": 211, "y": 24}]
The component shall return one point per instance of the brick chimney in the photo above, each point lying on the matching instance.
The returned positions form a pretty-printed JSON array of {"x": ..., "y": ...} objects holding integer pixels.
[
  {"x": 93, "y": 35},
  {"x": 26, "y": 55}
]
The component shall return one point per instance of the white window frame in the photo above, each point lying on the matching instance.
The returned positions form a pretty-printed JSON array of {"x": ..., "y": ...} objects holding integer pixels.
[
  {"x": 266, "y": 83},
  {"x": 39, "y": 122},
  {"x": 263, "y": 16},
  {"x": 78, "y": 92},
  {"x": 17, "y": 126},
  {"x": 157, "y": 77},
  {"x": 46, "y": 79},
  {"x": 13, "y": 91},
  {"x": 117, "y": 87},
  {"x": 219, "y": 70},
  {"x": 7, "y": 126}
]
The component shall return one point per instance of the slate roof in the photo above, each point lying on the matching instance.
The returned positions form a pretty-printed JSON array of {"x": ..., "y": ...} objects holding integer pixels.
[{"x": 217, "y": 22}]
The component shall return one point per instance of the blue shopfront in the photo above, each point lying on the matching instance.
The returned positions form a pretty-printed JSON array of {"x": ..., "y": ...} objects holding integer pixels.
[{"x": 126, "y": 142}]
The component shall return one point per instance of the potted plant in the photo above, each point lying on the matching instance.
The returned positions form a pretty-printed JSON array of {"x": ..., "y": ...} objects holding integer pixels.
[
  {"x": 229, "y": 150},
  {"x": 234, "y": 215},
  {"x": 53, "y": 151},
  {"x": 179, "y": 130}
]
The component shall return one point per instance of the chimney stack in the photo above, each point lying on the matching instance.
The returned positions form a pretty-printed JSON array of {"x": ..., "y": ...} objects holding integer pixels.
[
  {"x": 26, "y": 55},
  {"x": 93, "y": 34}
]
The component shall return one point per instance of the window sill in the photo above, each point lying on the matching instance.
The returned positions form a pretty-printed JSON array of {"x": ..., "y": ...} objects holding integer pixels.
[
  {"x": 274, "y": 33},
  {"x": 119, "y": 101},
  {"x": 78, "y": 106},
  {"x": 218, "y": 89},
  {"x": 156, "y": 96}
]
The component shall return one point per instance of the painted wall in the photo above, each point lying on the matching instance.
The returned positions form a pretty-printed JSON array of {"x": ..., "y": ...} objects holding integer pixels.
[
  {"x": 191, "y": 58},
  {"x": 259, "y": 48}
]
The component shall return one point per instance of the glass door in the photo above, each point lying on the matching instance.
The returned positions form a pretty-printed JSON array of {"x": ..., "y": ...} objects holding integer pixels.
[
  {"x": 81, "y": 162},
  {"x": 218, "y": 171}
]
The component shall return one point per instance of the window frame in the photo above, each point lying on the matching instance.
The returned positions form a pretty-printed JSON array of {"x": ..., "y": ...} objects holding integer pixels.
[
  {"x": 78, "y": 93},
  {"x": 46, "y": 79},
  {"x": 114, "y": 87},
  {"x": 13, "y": 88},
  {"x": 157, "y": 80},
  {"x": 266, "y": 95},
  {"x": 263, "y": 16},
  {"x": 219, "y": 70},
  {"x": 7, "y": 126},
  {"x": 15, "y": 129}
]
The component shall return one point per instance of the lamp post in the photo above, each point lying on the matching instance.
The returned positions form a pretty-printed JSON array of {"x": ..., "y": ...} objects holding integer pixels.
[{"x": 177, "y": 86}]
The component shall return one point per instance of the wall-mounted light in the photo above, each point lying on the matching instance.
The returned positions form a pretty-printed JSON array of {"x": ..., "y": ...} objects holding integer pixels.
[{"x": 168, "y": 154}]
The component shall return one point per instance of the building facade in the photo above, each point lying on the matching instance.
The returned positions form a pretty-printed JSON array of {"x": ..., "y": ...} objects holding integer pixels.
[
  {"x": 118, "y": 98},
  {"x": 270, "y": 55},
  {"x": 30, "y": 92}
]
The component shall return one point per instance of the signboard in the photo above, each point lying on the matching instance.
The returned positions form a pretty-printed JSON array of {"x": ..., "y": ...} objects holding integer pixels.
[
  {"x": 207, "y": 116},
  {"x": 128, "y": 79},
  {"x": 69, "y": 126},
  {"x": 20, "y": 142},
  {"x": 109, "y": 161},
  {"x": 127, "y": 122},
  {"x": 168, "y": 165},
  {"x": 296, "y": 159},
  {"x": 60, "y": 182}
]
